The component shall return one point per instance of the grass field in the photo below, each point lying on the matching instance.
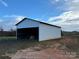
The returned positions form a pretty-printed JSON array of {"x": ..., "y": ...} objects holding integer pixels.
[
  {"x": 8, "y": 38},
  {"x": 11, "y": 45}
]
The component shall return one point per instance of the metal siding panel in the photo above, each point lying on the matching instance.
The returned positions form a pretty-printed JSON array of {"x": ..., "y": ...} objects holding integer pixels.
[
  {"x": 48, "y": 32},
  {"x": 27, "y": 24}
]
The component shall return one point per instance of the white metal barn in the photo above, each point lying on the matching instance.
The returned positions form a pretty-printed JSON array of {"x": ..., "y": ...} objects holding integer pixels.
[{"x": 30, "y": 29}]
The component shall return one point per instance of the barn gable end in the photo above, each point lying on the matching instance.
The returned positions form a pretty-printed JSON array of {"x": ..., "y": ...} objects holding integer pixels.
[{"x": 27, "y": 24}]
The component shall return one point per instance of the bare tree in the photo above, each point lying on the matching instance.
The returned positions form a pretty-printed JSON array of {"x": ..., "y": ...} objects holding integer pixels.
[
  {"x": 12, "y": 30},
  {"x": 1, "y": 29}
]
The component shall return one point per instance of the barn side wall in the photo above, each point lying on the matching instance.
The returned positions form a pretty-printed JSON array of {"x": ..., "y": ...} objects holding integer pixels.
[
  {"x": 47, "y": 32},
  {"x": 27, "y": 24}
]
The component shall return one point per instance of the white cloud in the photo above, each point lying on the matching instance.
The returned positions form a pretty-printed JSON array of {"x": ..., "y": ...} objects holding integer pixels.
[
  {"x": 9, "y": 21},
  {"x": 68, "y": 20},
  {"x": 10, "y": 16},
  {"x": 14, "y": 21},
  {"x": 19, "y": 18},
  {"x": 4, "y": 3},
  {"x": 56, "y": 0},
  {"x": 1, "y": 20},
  {"x": 66, "y": 16},
  {"x": 73, "y": 5},
  {"x": 67, "y": 5}
]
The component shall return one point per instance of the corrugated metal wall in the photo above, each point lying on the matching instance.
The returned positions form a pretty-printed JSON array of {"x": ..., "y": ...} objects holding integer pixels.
[{"x": 47, "y": 32}]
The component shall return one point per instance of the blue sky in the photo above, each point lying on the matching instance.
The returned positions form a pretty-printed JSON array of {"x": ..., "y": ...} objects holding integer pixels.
[
  {"x": 30, "y": 8},
  {"x": 58, "y": 12}
]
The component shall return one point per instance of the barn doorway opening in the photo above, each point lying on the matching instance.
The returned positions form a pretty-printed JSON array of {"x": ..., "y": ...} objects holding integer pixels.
[{"x": 28, "y": 33}]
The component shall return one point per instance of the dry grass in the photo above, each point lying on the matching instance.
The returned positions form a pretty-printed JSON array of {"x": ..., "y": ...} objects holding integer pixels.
[{"x": 11, "y": 45}]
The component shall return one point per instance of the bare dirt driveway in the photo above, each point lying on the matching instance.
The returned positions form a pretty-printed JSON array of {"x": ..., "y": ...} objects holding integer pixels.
[{"x": 49, "y": 53}]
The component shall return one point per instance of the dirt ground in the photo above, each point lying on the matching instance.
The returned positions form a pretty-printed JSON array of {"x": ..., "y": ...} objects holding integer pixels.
[
  {"x": 53, "y": 49},
  {"x": 49, "y": 53}
]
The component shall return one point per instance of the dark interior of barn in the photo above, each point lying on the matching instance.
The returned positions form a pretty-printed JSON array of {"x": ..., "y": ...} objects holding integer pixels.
[{"x": 28, "y": 33}]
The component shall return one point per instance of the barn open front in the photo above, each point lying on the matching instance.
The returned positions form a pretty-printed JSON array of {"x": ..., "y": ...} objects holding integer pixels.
[{"x": 28, "y": 33}]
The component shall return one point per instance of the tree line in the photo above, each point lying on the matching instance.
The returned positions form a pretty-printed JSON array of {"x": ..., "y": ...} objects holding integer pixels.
[{"x": 11, "y": 32}]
